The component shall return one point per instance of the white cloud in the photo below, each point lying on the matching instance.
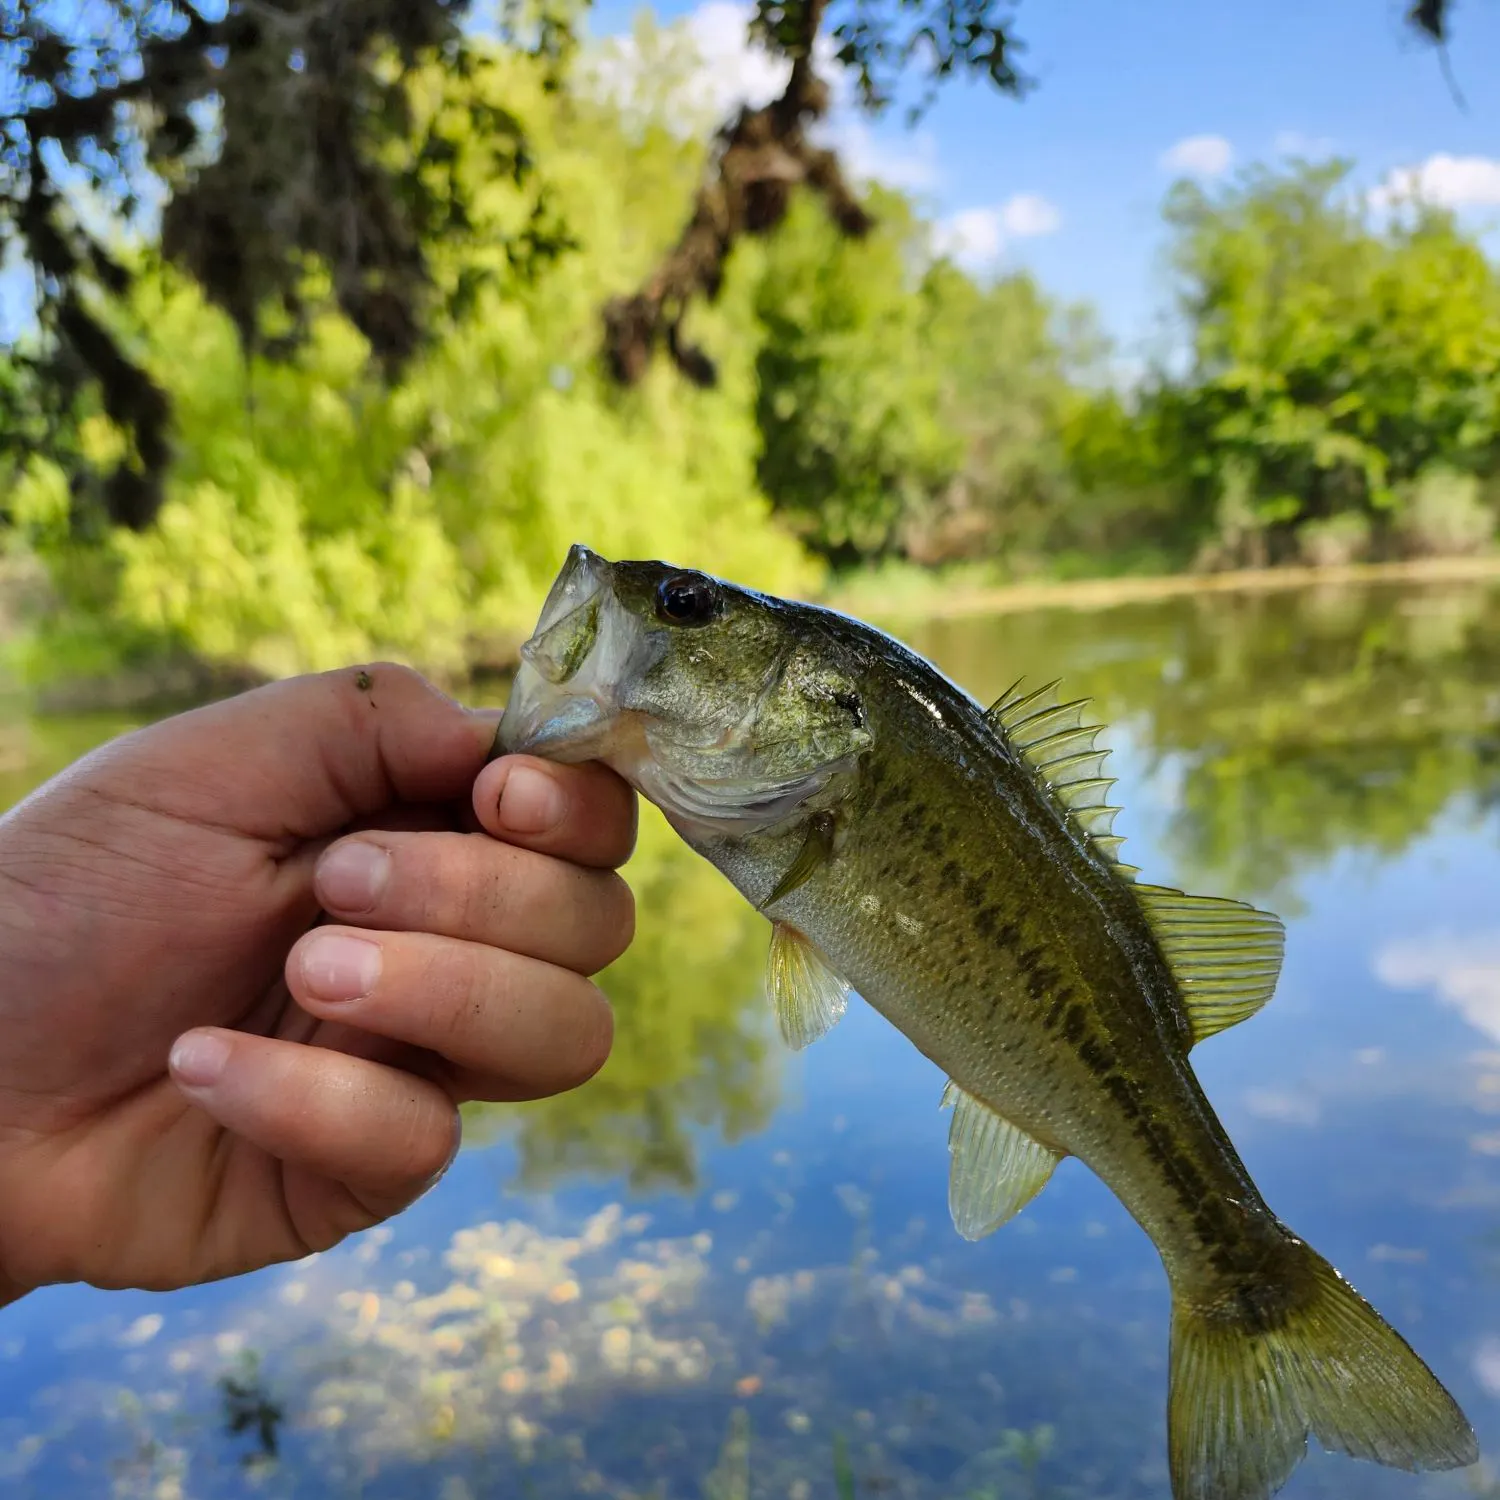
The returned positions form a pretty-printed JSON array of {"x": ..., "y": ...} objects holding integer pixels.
[
  {"x": 1444, "y": 180},
  {"x": 975, "y": 237},
  {"x": 734, "y": 72},
  {"x": 909, "y": 163},
  {"x": 972, "y": 237},
  {"x": 1199, "y": 156},
  {"x": 1308, "y": 147},
  {"x": 1465, "y": 972},
  {"x": 1028, "y": 215},
  {"x": 1487, "y": 1366},
  {"x": 719, "y": 71},
  {"x": 1284, "y": 1106}
]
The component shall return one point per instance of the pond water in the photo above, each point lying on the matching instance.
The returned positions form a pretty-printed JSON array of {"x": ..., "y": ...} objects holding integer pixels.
[{"x": 721, "y": 1272}]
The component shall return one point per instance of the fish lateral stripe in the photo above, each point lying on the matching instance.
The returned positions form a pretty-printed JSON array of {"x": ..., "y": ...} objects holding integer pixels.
[{"x": 975, "y": 897}]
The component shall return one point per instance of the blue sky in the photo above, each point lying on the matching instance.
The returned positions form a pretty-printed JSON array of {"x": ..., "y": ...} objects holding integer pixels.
[{"x": 1078, "y": 168}]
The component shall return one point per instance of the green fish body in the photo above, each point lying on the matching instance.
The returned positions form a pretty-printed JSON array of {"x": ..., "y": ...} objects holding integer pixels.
[{"x": 954, "y": 867}]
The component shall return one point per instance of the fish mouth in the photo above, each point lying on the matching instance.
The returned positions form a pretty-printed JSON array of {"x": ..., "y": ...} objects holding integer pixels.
[{"x": 563, "y": 701}]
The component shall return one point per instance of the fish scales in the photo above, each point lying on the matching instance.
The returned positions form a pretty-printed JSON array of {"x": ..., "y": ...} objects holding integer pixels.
[
  {"x": 954, "y": 868},
  {"x": 1036, "y": 958}
]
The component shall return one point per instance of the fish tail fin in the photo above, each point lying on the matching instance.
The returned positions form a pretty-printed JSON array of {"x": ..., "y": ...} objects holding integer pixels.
[{"x": 1257, "y": 1366}]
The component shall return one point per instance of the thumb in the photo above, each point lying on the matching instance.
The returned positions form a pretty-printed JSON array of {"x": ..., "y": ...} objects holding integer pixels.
[{"x": 302, "y": 758}]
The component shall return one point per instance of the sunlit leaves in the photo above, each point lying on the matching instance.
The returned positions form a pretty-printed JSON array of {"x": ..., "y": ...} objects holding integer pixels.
[{"x": 1338, "y": 356}]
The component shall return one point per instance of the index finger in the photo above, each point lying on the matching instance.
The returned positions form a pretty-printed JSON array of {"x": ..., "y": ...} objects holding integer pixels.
[{"x": 583, "y": 813}]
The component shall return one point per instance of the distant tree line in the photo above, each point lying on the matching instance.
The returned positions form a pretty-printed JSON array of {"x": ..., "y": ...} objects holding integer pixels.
[{"x": 338, "y": 480}]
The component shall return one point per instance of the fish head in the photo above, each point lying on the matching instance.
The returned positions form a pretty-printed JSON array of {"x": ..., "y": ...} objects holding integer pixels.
[{"x": 729, "y": 709}]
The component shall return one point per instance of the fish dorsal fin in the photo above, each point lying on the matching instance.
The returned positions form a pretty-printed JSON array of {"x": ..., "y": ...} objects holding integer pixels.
[
  {"x": 996, "y": 1169},
  {"x": 1225, "y": 954},
  {"x": 1053, "y": 739},
  {"x": 809, "y": 997}
]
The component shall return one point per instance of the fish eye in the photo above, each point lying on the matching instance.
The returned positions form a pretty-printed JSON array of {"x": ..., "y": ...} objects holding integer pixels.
[{"x": 687, "y": 599}]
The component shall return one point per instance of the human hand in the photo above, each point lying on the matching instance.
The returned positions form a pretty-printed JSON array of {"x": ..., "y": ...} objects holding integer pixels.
[{"x": 159, "y": 899}]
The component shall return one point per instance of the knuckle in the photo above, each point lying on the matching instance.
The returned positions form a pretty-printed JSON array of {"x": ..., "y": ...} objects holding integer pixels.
[
  {"x": 490, "y": 887},
  {"x": 431, "y": 1138},
  {"x": 391, "y": 672},
  {"x": 613, "y": 918},
  {"x": 457, "y": 992},
  {"x": 593, "y": 1035},
  {"x": 458, "y": 887}
]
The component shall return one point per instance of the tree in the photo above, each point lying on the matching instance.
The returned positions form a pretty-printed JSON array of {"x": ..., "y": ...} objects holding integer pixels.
[
  {"x": 847, "y": 388},
  {"x": 280, "y": 133},
  {"x": 317, "y": 511},
  {"x": 1341, "y": 363},
  {"x": 281, "y": 138},
  {"x": 905, "y": 407}
]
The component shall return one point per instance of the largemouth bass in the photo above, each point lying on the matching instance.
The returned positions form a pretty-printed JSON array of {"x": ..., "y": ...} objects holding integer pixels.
[{"x": 955, "y": 868}]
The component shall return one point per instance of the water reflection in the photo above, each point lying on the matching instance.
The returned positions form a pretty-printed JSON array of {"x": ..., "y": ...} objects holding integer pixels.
[
  {"x": 1290, "y": 727},
  {"x": 721, "y": 1272},
  {"x": 695, "y": 1050}
]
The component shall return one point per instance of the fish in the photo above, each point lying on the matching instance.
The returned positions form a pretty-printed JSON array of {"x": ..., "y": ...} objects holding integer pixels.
[{"x": 954, "y": 866}]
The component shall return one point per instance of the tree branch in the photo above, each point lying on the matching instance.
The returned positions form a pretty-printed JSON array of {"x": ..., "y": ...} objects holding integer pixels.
[{"x": 757, "y": 160}]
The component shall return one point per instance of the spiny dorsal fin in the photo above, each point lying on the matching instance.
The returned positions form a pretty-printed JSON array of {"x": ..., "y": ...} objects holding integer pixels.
[
  {"x": 996, "y": 1169},
  {"x": 1052, "y": 738},
  {"x": 1226, "y": 954}
]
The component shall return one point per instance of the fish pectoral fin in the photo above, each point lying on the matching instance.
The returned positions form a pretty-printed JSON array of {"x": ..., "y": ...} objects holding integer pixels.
[
  {"x": 996, "y": 1168},
  {"x": 1225, "y": 954},
  {"x": 809, "y": 997},
  {"x": 816, "y": 851}
]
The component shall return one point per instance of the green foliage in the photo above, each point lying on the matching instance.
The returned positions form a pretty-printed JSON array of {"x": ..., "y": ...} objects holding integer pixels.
[
  {"x": 693, "y": 1043},
  {"x": 847, "y": 391},
  {"x": 876, "y": 408},
  {"x": 1009, "y": 362},
  {"x": 315, "y": 514},
  {"x": 1336, "y": 358},
  {"x": 904, "y": 408}
]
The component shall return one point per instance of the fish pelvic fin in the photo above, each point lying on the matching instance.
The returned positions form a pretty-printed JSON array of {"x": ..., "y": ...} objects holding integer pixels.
[
  {"x": 1259, "y": 1366},
  {"x": 810, "y": 999}
]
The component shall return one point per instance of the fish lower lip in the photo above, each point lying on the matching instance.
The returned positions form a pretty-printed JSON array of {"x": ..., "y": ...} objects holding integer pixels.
[{"x": 533, "y": 726}]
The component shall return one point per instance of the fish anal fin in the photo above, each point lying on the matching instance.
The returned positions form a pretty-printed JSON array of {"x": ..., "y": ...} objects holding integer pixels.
[
  {"x": 808, "y": 996},
  {"x": 1225, "y": 955},
  {"x": 995, "y": 1169}
]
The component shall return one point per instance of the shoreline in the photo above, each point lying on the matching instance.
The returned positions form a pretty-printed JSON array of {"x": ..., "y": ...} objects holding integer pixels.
[
  {"x": 1109, "y": 593},
  {"x": 179, "y": 682}
]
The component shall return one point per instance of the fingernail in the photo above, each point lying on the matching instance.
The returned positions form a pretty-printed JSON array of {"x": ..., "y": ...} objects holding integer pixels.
[
  {"x": 351, "y": 875},
  {"x": 198, "y": 1058},
  {"x": 340, "y": 968},
  {"x": 531, "y": 801}
]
